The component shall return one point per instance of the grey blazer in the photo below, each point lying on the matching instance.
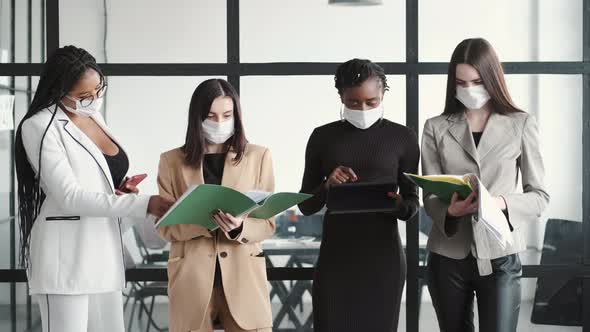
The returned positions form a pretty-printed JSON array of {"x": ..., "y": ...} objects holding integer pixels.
[{"x": 508, "y": 146}]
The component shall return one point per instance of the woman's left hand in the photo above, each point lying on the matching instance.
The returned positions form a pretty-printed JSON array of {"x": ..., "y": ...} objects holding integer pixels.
[
  {"x": 227, "y": 222},
  {"x": 397, "y": 197},
  {"x": 127, "y": 188}
]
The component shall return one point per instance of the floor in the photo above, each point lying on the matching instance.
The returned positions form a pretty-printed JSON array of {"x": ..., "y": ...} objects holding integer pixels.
[{"x": 427, "y": 320}]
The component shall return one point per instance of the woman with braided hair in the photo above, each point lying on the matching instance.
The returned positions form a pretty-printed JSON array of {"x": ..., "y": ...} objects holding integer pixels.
[
  {"x": 361, "y": 268},
  {"x": 69, "y": 167}
]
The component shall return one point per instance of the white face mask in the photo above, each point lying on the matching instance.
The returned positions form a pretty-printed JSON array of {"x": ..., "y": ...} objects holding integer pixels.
[
  {"x": 218, "y": 132},
  {"x": 85, "y": 111},
  {"x": 473, "y": 97},
  {"x": 362, "y": 119}
]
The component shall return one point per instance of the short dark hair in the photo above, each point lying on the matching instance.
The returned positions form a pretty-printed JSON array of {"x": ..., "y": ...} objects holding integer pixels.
[
  {"x": 201, "y": 101},
  {"x": 354, "y": 72}
]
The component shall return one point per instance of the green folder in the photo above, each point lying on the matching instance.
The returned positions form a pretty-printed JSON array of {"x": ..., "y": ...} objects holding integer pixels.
[
  {"x": 443, "y": 186},
  {"x": 199, "y": 202}
]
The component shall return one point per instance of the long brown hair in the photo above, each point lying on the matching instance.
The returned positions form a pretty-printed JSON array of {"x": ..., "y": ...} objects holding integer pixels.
[
  {"x": 200, "y": 105},
  {"x": 479, "y": 53}
]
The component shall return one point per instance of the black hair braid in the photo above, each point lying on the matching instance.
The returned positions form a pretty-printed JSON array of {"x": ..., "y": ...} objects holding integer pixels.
[{"x": 354, "y": 72}]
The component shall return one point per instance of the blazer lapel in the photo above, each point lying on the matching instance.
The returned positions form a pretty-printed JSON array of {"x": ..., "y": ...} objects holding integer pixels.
[
  {"x": 494, "y": 133},
  {"x": 232, "y": 172},
  {"x": 192, "y": 176},
  {"x": 460, "y": 131},
  {"x": 75, "y": 133}
]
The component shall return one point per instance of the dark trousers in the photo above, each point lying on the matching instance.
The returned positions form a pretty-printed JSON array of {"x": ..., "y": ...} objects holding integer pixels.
[{"x": 454, "y": 282}]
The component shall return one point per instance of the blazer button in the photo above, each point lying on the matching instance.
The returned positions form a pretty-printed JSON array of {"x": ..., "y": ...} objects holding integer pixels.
[
  {"x": 223, "y": 254},
  {"x": 244, "y": 240}
]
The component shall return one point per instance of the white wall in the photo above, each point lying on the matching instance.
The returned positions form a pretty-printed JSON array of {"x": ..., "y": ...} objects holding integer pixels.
[
  {"x": 143, "y": 31},
  {"x": 311, "y": 30},
  {"x": 525, "y": 30}
]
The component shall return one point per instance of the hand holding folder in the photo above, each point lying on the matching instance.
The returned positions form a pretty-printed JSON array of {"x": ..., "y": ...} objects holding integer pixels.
[
  {"x": 488, "y": 212},
  {"x": 444, "y": 186},
  {"x": 198, "y": 203}
]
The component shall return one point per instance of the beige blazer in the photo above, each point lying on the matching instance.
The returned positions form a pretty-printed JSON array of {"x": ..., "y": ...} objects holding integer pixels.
[
  {"x": 508, "y": 147},
  {"x": 194, "y": 250}
]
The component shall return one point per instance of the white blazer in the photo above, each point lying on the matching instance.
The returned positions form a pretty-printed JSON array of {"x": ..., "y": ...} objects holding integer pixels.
[{"x": 76, "y": 243}]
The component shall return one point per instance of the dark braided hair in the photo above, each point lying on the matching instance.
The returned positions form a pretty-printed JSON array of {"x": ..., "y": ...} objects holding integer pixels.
[
  {"x": 60, "y": 73},
  {"x": 354, "y": 72}
]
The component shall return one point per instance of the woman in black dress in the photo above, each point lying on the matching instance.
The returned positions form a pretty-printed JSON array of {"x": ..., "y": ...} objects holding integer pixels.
[{"x": 361, "y": 269}]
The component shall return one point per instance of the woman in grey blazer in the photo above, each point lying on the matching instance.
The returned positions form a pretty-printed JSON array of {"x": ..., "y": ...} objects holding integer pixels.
[{"x": 480, "y": 132}]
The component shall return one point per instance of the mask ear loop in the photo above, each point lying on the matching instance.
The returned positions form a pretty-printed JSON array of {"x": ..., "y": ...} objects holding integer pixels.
[{"x": 342, "y": 112}]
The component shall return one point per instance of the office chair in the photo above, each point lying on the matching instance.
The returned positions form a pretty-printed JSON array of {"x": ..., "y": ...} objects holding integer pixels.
[
  {"x": 141, "y": 291},
  {"x": 558, "y": 301}
]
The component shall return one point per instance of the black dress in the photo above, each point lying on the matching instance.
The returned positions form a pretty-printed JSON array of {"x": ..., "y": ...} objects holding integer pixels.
[{"x": 361, "y": 268}]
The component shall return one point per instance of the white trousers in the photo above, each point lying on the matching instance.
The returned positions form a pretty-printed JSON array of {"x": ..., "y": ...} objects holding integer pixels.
[{"x": 79, "y": 313}]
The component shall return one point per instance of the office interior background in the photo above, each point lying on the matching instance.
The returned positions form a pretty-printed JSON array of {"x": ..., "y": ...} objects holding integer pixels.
[{"x": 281, "y": 56}]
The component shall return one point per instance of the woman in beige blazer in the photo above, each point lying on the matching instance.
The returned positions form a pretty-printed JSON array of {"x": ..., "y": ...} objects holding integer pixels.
[
  {"x": 217, "y": 277},
  {"x": 480, "y": 132}
]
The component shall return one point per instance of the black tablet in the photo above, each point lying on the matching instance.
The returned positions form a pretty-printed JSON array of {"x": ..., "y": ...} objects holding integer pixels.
[{"x": 359, "y": 197}]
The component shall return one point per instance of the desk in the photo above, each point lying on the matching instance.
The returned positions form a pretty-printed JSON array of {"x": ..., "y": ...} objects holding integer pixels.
[{"x": 300, "y": 252}]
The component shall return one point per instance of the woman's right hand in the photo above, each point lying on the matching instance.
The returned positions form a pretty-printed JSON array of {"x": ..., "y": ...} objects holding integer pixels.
[
  {"x": 460, "y": 208},
  {"x": 158, "y": 205},
  {"x": 341, "y": 175}
]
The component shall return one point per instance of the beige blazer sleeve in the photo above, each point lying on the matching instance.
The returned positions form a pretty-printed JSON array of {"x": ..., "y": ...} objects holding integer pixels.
[{"x": 529, "y": 204}]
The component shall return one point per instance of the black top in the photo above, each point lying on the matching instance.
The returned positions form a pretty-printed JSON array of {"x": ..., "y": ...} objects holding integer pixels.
[
  {"x": 213, "y": 165},
  {"x": 477, "y": 137},
  {"x": 382, "y": 152},
  {"x": 118, "y": 166}
]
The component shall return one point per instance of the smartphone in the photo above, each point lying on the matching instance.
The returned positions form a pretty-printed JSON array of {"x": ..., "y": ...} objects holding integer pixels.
[{"x": 133, "y": 180}]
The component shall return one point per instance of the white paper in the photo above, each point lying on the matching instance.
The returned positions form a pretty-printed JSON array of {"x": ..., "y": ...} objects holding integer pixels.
[
  {"x": 257, "y": 196},
  {"x": 490, "y": 214},
  {"x": 6, "y": 112}
]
